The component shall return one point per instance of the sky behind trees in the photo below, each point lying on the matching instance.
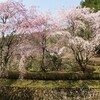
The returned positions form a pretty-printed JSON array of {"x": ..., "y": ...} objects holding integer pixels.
[{"x": 51, "y": 5}]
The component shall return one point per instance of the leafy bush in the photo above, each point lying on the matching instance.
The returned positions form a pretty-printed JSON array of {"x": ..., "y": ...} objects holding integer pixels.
[
  {"x": 55, "y": 76},
  {"x": 32, "y": 64}
]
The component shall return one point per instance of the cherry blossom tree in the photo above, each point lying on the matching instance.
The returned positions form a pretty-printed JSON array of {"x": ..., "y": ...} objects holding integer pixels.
[
  {"x": 12, "y": 15},
  {"x": 76, "y": 21},
  {"x": 80, "y": 27},
  {"x": 83, "y": 50},
  {"x": 41, "y": 28}
]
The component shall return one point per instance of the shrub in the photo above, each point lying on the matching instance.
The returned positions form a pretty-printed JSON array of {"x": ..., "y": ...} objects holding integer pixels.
[{"x": 55, "y": 76}]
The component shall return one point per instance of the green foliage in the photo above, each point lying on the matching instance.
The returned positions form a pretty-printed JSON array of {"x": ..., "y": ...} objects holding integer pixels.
[
  {"x": 84, "y": 85},
  {"x": 13, "y": 75},
  {"x": 97, "y": 69},
  {"x": 54, "y": 76},
  {"x": 48, "y": 83},
  {"x": 96, "y": 76},
  {"x": 92, "y": 4},
  {"x": 57, "y": 61},
  {"x": 32, "y": 64}
]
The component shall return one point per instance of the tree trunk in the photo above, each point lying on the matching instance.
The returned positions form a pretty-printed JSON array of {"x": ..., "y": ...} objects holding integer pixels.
[{"x": 43, "y": 54}]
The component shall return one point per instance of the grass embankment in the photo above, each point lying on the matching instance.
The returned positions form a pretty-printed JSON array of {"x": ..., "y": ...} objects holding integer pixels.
[{"x": 50, "y": 83}]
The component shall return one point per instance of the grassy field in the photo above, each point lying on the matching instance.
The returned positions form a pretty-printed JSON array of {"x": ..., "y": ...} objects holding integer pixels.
[{"x": 51, "y": 84}]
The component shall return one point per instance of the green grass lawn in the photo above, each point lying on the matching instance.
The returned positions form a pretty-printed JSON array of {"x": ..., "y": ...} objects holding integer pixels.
[{"x": 50, "y": 84}]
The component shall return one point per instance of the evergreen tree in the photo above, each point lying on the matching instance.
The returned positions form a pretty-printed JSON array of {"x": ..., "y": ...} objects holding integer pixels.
[{"x": 91, "y": 3}]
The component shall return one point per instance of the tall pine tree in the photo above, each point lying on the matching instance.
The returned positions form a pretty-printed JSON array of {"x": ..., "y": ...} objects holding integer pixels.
[{"x": 91, "y": 3}]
